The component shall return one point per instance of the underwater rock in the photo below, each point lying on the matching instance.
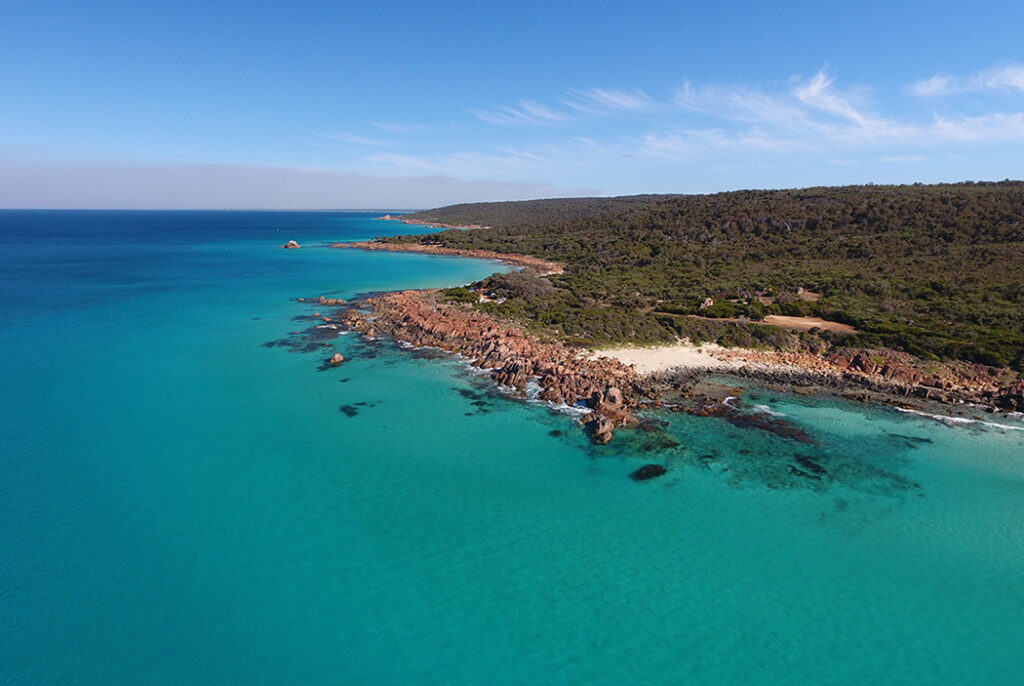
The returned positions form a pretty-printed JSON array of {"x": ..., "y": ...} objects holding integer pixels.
[{"x": 648, "y": 471}]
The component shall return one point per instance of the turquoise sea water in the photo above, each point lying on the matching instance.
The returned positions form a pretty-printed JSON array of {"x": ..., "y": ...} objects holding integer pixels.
[{"x": 180, "y": 503}]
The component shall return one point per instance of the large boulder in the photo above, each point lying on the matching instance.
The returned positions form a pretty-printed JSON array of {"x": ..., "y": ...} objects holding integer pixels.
[
  {"x": 1011, "y": 397},
  {"x": 601, "y": 429},
  {"x": 864, "y": 363}
]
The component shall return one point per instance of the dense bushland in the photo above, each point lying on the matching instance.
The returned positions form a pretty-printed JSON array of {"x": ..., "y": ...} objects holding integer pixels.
[{"x": 937, "y": 271}]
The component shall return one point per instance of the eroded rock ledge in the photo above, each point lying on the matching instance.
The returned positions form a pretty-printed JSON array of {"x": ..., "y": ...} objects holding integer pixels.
[
  {"x": 514, "y": 357},
  {"x": 892, "y": 374}
]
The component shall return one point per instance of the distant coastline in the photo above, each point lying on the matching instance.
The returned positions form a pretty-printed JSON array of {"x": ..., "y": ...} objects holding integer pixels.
[
  {"x": 537, "y": 264},
  {"x": 433, "y": 225}
]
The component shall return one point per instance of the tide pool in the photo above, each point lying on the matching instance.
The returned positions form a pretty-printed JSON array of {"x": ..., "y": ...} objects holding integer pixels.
[{"x": 180, "y": 503}]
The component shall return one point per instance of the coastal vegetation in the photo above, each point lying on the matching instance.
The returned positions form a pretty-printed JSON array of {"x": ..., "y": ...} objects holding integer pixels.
[{"x": 936, "y": 271}]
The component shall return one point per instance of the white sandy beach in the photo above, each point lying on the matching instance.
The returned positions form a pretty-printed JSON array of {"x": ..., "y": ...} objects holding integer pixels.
[{"x": 660, "y": 358}]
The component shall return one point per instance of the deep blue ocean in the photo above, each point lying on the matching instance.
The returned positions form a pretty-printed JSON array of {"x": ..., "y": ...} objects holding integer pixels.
[{"x": 186, "y": 497}]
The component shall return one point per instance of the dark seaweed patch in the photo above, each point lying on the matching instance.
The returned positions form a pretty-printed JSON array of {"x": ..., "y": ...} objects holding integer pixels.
[
  {"x": 349, "y": 410},
  {"x": 658, "y": 442},
  {"x": 809, "y": 464},
  {"x": 911, "y": 439},
  {"x": 648, "y": 471},
  {"x": 801, "y": 473}
]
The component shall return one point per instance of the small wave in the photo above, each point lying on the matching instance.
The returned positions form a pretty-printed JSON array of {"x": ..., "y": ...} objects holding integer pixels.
[
  {"x": 533, "y": 388},
  {"x": 767, "y": 410},
  {"x": 959, "y": 421},
  {"x": 571, "y": 410}
]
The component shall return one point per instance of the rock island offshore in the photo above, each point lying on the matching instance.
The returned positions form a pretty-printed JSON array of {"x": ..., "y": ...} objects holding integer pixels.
[{"x": 907, "y": 295}]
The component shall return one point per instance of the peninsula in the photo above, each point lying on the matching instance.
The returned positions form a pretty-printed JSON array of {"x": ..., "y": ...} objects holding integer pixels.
[{"x": 913, "y": 292}]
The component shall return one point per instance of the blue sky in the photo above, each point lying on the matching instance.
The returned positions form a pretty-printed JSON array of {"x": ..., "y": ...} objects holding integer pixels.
[{"x": 402, "y": 104}]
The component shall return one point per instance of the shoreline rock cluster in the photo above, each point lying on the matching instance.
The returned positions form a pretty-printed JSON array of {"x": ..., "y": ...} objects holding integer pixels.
[
  {"x": 607, "y": 387},
  {"x": 886, "y": 376},
  {"x": 613, "y": 390}
]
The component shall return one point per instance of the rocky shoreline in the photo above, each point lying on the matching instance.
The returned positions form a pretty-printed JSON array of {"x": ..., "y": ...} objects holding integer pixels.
[
  {"x": 888, "y": 377},
  {"x": 433, "y": 225},
  {"x": 612, "y": 391},
  {"x": 608, "y": 388}
]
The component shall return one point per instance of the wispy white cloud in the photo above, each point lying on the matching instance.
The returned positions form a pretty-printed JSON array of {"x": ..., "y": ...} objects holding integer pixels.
[
  {"x": 398, "y": 127},
  {"x": 988, "y": 128},
  {"x": 1005, "y": 78},
  {"x": 811, "y": 115},
  {"x": 902, "y": 159},
  {"x": 936, "y": 86},
  {"x": 528, "y": 112},
  {"x": 610, "y": 99},
  {"x": 352, "y": 138},
  {"x": 470, "y": 164},
  {"x": 409, "y": 163},
  {"x": 819, "y": 94},
  {"x": 814, "y": 121}
]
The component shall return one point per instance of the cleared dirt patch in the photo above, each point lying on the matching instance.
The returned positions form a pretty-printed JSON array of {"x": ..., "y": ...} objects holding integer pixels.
[{"x": 807, "y": 323}]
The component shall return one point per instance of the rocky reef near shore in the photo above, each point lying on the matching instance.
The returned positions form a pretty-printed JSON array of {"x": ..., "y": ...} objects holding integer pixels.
[
  {"x": 514, "y": 358},
  {"x": 884, "y": 376}
]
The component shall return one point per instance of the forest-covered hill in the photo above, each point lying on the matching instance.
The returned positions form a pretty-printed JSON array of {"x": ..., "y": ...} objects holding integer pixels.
[{"x": 934, "y": 270}]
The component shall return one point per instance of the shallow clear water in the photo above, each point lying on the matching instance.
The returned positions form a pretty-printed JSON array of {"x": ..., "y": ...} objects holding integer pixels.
[{"x": 180, "y": 503}]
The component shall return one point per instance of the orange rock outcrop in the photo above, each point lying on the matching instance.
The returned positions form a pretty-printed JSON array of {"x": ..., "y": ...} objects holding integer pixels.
[{"x": 513, "y": 356}]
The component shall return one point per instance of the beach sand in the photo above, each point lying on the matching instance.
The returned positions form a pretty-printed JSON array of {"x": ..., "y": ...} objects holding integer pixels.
[{"x": 661, "y": 358}]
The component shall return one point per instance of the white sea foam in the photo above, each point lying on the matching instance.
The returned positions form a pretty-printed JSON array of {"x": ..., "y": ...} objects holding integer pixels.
[
  {"x": 571, "y": 410},
  {"x": 533, "y": 388},
  {"x": 961, "y": 421},
  {"x": 767, "y": 410}
]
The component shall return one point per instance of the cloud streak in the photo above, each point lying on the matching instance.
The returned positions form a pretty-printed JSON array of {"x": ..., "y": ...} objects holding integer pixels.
[
  {"x": 528, "y": 112},
  {"x": 345, "y": 137},
  {"x": 614, "y": 133},
  {"x": 813, "y": 115},
  {"x": 1003, "y": 79},
  {"x": 602, "y": 99}
]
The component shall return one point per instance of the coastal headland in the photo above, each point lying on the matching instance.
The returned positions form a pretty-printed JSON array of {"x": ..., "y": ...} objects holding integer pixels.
[
  {"x": 613, "y": 383},
  {"x": 514, "y": 358},
  {"x": 433, "y": 225},
  {"x": 536, "y": 264}
]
